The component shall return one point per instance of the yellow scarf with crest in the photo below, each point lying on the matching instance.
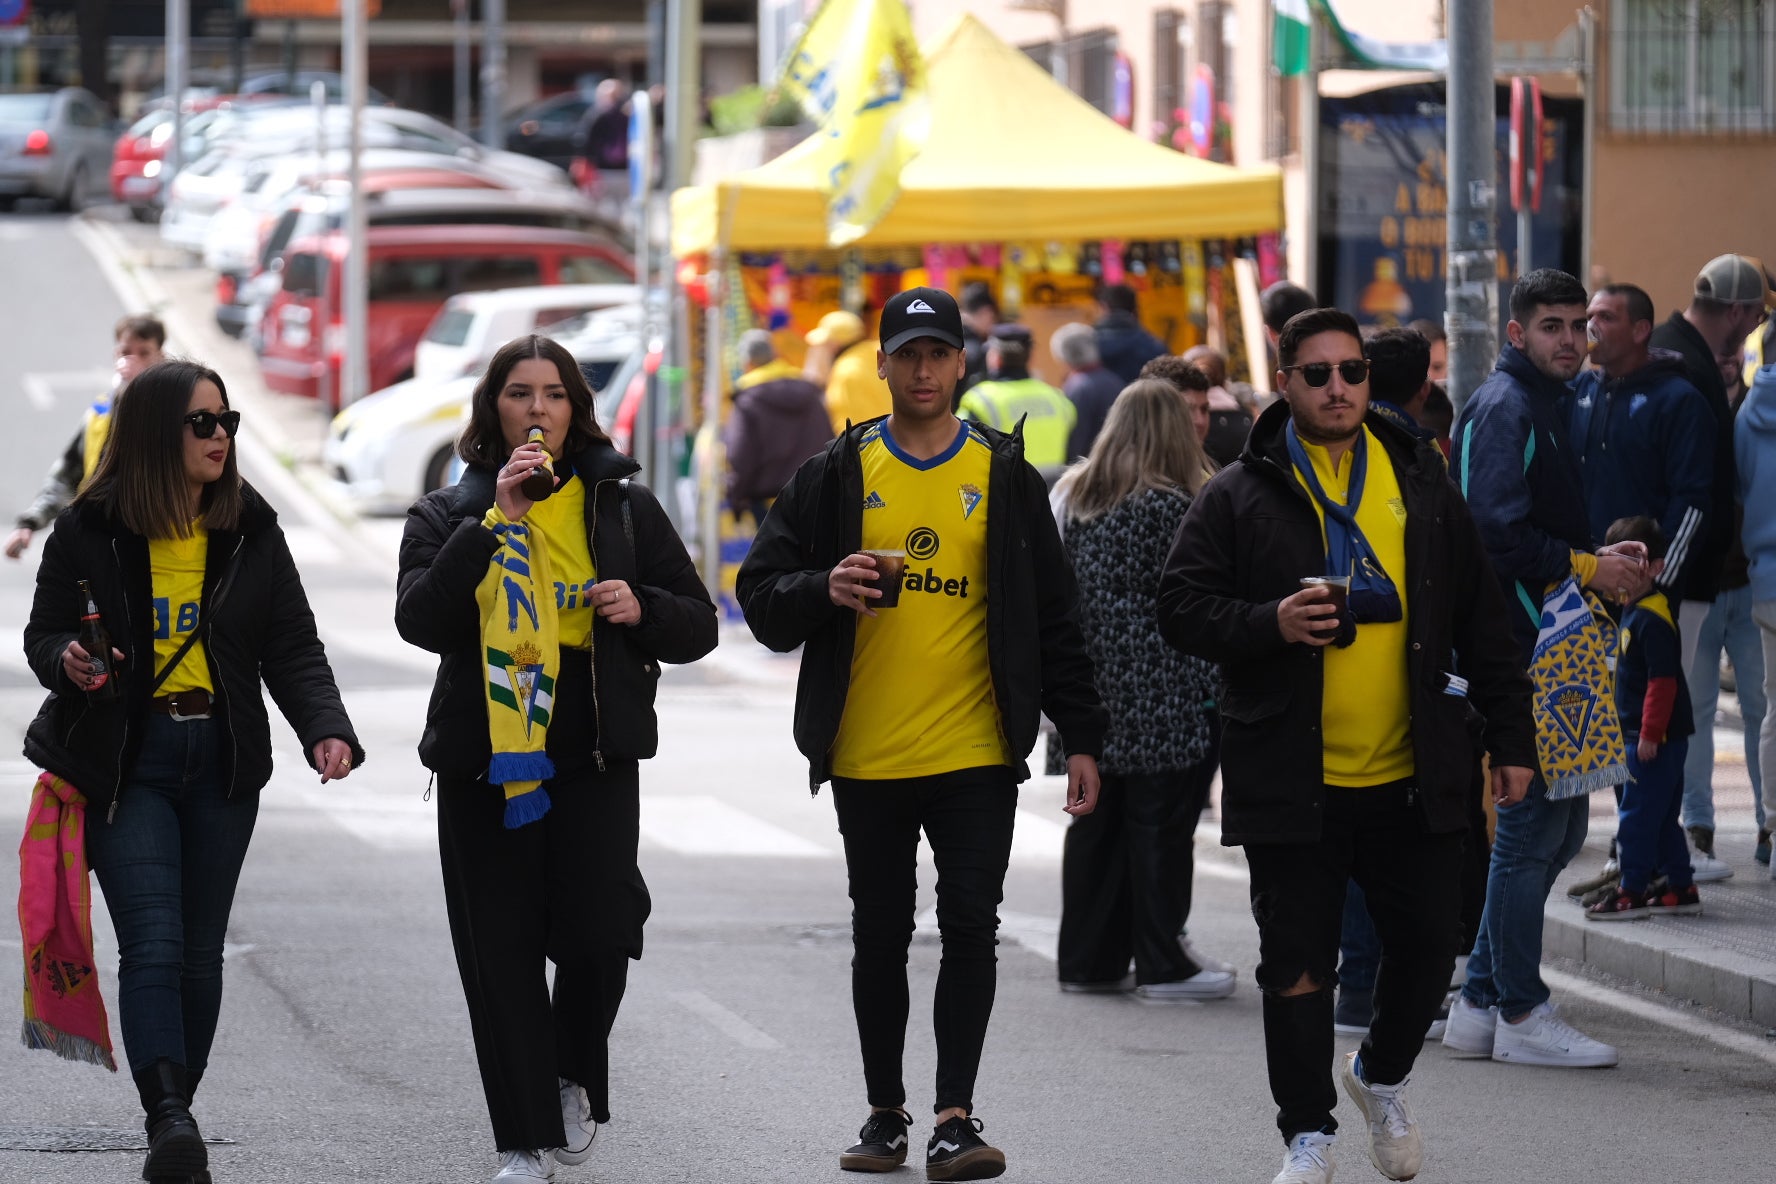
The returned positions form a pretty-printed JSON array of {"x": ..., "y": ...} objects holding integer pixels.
[{"x": 520, "y": 637}]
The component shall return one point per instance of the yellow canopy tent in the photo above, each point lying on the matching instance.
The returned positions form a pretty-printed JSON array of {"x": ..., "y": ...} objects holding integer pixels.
[{"x": 1013, "y": 156}]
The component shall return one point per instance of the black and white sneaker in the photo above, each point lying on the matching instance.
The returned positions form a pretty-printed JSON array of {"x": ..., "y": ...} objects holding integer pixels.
[
  {"x": 881, "y": 1144},
  {"x": 956, "y": 1152}
]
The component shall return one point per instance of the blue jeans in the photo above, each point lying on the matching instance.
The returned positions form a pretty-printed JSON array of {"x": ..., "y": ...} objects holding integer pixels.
[
  {"x": 1728, "y": 626},
  {"x": 1533, "y": 842},
  {"x": 1359, "y": 946},
  {"x": 168, "y": 864},
  {"x": 1647, "y": 832}
]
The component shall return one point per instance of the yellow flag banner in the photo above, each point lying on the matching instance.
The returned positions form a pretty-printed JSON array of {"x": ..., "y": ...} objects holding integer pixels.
[{"x": 858, "y": 74}]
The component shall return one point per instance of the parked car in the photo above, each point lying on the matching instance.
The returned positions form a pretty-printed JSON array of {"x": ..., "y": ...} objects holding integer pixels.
[
  {"x": 137, "y": 159},
  {"x": 545, "y": 129},
  {"x": 413, "y": 270},
  {"x": 471, "y": 326},
  {"x": 56, "y": 145},
  {"x": 389, "y": 449}
]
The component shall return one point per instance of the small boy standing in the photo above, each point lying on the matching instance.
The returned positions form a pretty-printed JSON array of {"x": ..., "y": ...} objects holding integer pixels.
[{"x": 1654, "y": 704}]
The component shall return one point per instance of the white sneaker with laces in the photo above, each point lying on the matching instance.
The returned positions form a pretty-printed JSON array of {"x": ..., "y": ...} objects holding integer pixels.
[
  {"x": 525, "y": 1167},
  {"x": 1308, "y": 1159},
  {"x": 1204, "y": 960},
  {"x": 1204, "y": 984},
  {"x": 577, "y": 1121},
  {"x": 1543, "y": 1039},
  {"x": 1470, "y": 1029},
  {"x": 1395, "y": 1146},
  {"x": 1708, "y": 868}
]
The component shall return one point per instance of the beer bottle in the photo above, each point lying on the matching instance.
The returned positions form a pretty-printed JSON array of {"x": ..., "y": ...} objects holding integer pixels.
[
  {"x": 539, "y": 483},
  {"x": 95, "y": 639}
]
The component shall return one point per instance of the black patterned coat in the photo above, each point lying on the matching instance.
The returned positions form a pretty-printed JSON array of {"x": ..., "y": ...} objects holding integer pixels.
[{"x": 1156, "y": 695}]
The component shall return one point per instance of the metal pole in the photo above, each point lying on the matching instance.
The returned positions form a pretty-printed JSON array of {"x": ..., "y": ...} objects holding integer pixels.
[
  {"x": 178, "y": 43},
  {"x": 462, "y": 118},
  {"x": 1310, "y": 156},
  {"x": 656, "y": 23},
  {"x": 493, "y": 73},
  {"x": 684, "y": 74},
  {"x": 317, "y": 94},
  {"x": 1588, "y": 206},
  {"x": 354, "y": 378},
  {"x": 647, "y": 435},
  {"x": 1472, "y": 317}
]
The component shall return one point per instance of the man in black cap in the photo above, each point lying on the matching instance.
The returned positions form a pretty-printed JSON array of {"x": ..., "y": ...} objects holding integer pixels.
[
  {"x": 1012, "y": 394},
  {"x": 919, "y": 697}
]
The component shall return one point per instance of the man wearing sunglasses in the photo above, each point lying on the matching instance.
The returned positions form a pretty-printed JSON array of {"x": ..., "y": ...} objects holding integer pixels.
[{"x": 1346, "y": 753}]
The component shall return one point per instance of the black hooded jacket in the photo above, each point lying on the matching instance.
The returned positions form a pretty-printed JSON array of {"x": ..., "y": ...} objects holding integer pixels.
[
  {"x": 260, "y": 628},
  {"x": 604, "y": 706},
  {"x": 1246, "y": 542},
  {"x": 1034, "y": 644}
]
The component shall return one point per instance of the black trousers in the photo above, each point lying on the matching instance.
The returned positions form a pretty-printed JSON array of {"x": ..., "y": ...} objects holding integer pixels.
[
  {"x": 1412, "y": 880},
  {"x": 1126, "y": 872},
  {"x": 564, "y": 890},
  {"x": 967, "y": 816}
]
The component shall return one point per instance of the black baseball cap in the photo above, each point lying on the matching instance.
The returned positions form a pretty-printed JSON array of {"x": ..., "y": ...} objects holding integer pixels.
[{"x": 921, "y": 312}]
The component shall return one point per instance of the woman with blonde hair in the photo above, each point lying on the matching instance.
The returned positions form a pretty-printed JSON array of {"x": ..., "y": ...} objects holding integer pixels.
[{"x": 1126, "y": 871}]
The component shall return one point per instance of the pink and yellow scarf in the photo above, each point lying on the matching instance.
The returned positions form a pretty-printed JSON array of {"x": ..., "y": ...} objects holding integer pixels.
[{"x": 63, "y": 1009}]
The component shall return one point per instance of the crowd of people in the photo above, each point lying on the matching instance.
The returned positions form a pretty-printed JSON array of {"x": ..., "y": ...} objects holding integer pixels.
[{"x": 1369, "y": 616}]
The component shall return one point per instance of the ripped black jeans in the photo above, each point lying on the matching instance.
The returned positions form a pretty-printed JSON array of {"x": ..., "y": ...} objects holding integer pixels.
[{"x": 1412, "y": 880}]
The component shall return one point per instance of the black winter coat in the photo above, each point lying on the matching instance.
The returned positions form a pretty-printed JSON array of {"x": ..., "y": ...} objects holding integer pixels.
[
  {"x": 261, "y": 629},
  {"x": 609, "y": 706},
  {"x": 1034, "y": 646},
  {"x": 1244, "y": 545}
]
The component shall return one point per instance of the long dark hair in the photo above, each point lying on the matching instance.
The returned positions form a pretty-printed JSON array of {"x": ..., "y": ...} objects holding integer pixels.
[
  {"x": 141, "y": 478},
  {"x": 483, "y": 442}
]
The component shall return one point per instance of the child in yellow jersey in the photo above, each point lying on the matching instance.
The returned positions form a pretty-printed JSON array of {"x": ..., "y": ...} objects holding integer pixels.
[{"x": 922, "y": 708}]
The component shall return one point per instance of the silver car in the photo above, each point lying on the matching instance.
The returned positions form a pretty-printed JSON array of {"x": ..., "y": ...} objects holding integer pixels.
[{"x": 55, "y": 145}]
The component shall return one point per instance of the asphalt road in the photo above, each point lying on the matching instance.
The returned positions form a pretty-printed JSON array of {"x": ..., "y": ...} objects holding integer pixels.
[{"x": 344, "y": 1049}]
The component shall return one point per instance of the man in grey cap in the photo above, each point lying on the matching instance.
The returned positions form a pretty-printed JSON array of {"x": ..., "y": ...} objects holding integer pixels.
[{"x": 1731, "y": 297}]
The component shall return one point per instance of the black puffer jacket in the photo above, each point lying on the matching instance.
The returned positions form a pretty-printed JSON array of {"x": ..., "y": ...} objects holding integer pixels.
[
  {"x": 1034, "y": 646},
  {"x": 1247, "y": 540},
  {"x": 604, "y": 708},
  {"x": 262, "y": 628}
]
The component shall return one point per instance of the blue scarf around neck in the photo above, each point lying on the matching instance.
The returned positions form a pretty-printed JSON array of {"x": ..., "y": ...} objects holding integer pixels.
[{"x": 1373, "y": 597}]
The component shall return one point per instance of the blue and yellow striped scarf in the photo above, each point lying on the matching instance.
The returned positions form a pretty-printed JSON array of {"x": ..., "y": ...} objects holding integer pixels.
[
  {"x": 1578, "y": 734},
  {"x": 520, "y": 637}
]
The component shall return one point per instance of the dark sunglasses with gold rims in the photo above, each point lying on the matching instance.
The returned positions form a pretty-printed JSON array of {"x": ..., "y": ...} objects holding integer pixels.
[
  {"x": 203, "y": 423},
  {"x": 1318, "y": 374}
]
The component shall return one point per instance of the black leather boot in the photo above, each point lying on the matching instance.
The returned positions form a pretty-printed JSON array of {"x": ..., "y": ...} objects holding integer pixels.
[{"x": 175, "y": 1148}]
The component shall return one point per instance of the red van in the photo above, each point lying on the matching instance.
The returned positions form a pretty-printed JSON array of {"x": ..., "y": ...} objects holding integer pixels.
[{"x": 413, "y": 271}]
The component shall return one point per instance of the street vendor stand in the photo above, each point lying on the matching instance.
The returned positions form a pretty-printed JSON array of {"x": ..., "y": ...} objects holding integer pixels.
[{"x": 1021, "y": 184}]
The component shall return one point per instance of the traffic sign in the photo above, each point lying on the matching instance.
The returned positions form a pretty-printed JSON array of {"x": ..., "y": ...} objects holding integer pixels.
[{"x": 14, "y": 12}]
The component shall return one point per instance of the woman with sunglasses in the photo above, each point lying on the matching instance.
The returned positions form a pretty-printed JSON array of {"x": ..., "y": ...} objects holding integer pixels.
[
  {"x": 552, "y": 588},
  {"x": 194, "y": 581}
]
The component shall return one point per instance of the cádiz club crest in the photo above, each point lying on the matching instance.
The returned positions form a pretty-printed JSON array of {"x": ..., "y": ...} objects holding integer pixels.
[{"x": 516, "y": 680}]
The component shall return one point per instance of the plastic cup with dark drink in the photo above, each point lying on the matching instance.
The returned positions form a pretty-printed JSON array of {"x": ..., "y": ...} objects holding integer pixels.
[
  {"x": 889, "y": 566},
  {"x": 1339, "y": 589}
]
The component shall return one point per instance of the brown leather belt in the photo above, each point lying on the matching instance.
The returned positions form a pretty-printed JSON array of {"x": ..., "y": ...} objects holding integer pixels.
[{"x": 184, "y": 705}]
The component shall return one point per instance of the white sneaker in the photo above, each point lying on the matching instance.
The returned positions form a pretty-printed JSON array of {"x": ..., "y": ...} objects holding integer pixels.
[
  {"x": 1543, "y": 1039},
  {"x": 1395, "y": 1147},
  {"x": 1204, "y": 960},
  {"x": 1308, "y": 1159},
  {"x": 525, "y": 1167},
  {"x": 577, "y": 1121},
  {"x": 1469, "y": 1032},
  {"x": 1204, "y": 984},
  {"x": 1708, "y": 869}
]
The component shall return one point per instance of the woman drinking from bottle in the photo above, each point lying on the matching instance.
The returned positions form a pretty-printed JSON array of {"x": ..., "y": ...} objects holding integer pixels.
[
  {"x": 551, "y": 619},
  {"x": 194, "y": 584}
]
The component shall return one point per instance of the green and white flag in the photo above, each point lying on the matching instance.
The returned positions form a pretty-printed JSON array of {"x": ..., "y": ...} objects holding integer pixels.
[{"x": 1291, "y": 37}]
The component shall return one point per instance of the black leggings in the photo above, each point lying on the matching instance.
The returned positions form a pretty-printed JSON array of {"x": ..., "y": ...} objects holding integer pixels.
[
  {"x": 967, "y": 817},
  {"x": 564, "y": 889}
]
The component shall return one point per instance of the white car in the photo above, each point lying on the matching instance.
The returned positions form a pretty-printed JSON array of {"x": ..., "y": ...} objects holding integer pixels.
[
  {"x": 472, "y": 325},
  {"x": 391, "y": 448}
]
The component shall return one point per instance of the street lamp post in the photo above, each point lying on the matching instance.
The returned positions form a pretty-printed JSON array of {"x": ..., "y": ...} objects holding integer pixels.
[
  {"x": 1471, "y": 320},
  {"x": 493, "y": 72}
]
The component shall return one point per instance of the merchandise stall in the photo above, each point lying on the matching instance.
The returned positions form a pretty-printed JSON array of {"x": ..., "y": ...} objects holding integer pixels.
[{"x": 1021, "y": 184}]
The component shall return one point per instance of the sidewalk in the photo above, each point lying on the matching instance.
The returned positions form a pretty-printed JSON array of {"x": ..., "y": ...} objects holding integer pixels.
[{"x": 1724, "y": 959}]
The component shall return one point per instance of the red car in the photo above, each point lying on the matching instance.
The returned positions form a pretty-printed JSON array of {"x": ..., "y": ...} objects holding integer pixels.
[
  {"x": 136, "y": 163},
  {"x": 413, "y": 271}
]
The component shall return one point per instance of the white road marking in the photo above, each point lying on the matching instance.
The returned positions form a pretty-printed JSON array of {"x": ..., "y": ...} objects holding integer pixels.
[
  {"x": 40, "y": 386},
  {"x": 1037, "y": 839},
  {"x": 723, "y": 1020},
  {"x": 696, "y": 824}
]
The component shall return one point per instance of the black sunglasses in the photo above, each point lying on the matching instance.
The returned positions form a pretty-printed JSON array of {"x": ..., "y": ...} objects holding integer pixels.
[
  {"x": 1318, "y": 374},
  {"x": 203, "y": 423}
]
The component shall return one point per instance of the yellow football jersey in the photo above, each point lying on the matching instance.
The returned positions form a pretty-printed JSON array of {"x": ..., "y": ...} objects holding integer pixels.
[
  {"x": 921, "y": 699},
  {"x": 560, "y": 520},
  {"x": 177, "y": 567}
]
